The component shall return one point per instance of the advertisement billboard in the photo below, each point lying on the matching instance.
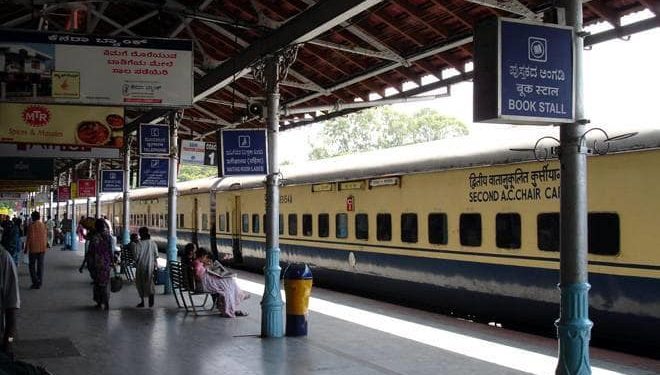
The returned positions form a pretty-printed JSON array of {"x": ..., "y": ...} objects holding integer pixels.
[
  {"x": 199, "y": 153},
  {"x": 35, "y": 150},
  {"x": 19, "y": 169},
  {"x": 49, "y": 67},
  {"x": 62, "y": 125},
  {"x": 63, "y": 193}
]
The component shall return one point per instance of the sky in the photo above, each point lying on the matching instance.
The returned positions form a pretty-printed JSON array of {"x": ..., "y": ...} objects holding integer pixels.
[{"x": 622, "y": 89}]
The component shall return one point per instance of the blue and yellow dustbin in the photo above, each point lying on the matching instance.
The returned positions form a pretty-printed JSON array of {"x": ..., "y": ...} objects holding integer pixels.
[{"x": 298, "y": 287}]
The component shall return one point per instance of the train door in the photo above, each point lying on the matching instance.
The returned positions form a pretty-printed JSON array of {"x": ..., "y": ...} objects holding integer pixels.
[
  {"x": 195, "y": 222},
  {"x": 237, "y": 248}
]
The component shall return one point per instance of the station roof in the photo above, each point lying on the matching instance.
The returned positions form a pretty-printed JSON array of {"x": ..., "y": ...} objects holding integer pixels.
[{"x": 348, "y": 51}]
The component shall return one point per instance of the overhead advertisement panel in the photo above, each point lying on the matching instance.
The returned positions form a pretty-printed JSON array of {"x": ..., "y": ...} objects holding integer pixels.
[
  {"x": 197, "y": 152},
  {"x": 19, "y": 169},
  {"x": 62, "y": 125},
  {"x": 46, "y": 67}
]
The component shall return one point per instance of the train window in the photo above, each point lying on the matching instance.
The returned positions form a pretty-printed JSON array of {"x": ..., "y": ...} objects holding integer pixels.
[
  {"x": 162, "y": 221},
  {"x": 604, "y": 234},
  {"x": 266, "y": 223},
  {"x": 293, "y": 225},
  {"x": 470, "y": 227},
  {"x": 245, "y": 223},
  {"x": 384, "y": 227},
  {"x": 409, "y": 227},
  {"x": 362, "y": 226},
  {"x": 547, "y": 231},
  {"x": 255, "y": 223},
  {"x": 341, "y": 225},
  {"x": 182, "y": 221},
  {"x": 228, "y": 225},
  {"x": 281, "y": 223},
  {"x": 324, "y": 225},
  {"x": 205, "y": 222},
  {"x": 222, "y": 223},
  {"x": 307, "y": 225},
  {"x": 507, "y": 230},
  {"x": 437, "y": 228}
]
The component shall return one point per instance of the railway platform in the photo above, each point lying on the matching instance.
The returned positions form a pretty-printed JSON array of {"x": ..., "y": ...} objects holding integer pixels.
[{"x": 60, "y": 328}]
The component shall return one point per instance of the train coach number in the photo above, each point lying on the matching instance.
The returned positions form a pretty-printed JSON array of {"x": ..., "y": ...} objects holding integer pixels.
[{"x": 284, "y": 199}]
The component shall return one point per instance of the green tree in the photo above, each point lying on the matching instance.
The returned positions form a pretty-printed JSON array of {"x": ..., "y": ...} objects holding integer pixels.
[
  {"x": 383, "y": 127},
  {"x": 189, "y": 172}
]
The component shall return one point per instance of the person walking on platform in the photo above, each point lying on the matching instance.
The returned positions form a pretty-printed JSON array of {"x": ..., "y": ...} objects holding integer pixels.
[
  {"x": 50, "y": 227},
  {"x": 10, "y": 239},
  {"x": 9, "y": 301},
  {"x": 66, "y": 230},
  {"x": 146, "y": 253},
  {"x": 100, "y": 257},
  {"x": 36, "y": 246}
]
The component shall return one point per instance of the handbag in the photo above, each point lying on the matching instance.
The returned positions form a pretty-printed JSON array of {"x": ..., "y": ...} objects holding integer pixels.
[{"x": 116, "y": 282}]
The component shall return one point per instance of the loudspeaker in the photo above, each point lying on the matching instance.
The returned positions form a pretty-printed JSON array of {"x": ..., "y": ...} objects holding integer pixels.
[{"x": 255, "y": 109}]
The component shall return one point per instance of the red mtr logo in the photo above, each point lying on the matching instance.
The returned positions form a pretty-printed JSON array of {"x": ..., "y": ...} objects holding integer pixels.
[{"x": 36, "y": 116}]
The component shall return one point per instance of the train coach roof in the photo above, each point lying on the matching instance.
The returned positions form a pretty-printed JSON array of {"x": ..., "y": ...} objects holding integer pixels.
[{"x": 503, "y": 147}]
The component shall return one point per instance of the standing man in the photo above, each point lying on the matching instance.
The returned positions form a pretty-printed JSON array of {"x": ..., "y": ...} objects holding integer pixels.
[
  {"x": 36, "y": 246},
  {"x": 9, "y": 301},
  {"x": 50, "y": 227}
]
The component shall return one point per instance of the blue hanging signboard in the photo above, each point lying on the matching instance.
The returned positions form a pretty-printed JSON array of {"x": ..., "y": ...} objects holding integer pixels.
[
  {"x": 243, "y": 152},
  {"x": 112, "y": 181},
  {"x": 154, "y": 172},
  {"x": 154, "y": 139},
  {"x": 523, "y": 73}
]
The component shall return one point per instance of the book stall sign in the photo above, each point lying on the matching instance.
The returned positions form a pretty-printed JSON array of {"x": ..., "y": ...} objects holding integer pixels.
[
  {"x": 48, "y": 67},
  {"x": 112, "y": 181},
  {"x": 154, "y": 172},
  {"x": 13, "y": 196},
  {"x": 154, "y": 139},
  {"x": 62, "y": 125},
  {"x": 243, "y": 152},
  {"x": 524, "y": 72},
  {"x": 63, "y": 193},
  {"x": 74, "y": 190},
  {"x": 86, "y": 188}
]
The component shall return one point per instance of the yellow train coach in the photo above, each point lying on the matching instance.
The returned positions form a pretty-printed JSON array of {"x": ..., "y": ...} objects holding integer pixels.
[{"x": 470, "y": 230}]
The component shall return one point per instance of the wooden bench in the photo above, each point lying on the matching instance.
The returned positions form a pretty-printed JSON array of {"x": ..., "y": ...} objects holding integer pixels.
[
  {"x": 127, "y": 263},
  {"x": 183, "y": 284}
]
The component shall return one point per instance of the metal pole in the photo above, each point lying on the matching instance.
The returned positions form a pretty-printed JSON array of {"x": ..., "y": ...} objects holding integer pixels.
[
  {"x": 98, "y": 188},
  {"x": 74, "y": 234},
  {"x": 271, "y": 304},
  {"x": 171, "y": 196},
  {"x": 57, "y": 207},
  {"x": 126, "y": 235},
  {"x": 573, "y": 325},
  {"x": 89, "y": 199}
]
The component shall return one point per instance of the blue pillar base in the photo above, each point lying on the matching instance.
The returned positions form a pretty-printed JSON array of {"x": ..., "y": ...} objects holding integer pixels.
[
  {"x": 125, "y": 237},
  {"x": 574, "y": 330},
  {"x": 271, "y": 304},
  {"x": 171, "y": 255}
]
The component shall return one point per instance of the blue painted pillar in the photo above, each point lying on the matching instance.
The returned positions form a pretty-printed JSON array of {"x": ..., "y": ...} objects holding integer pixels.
[
  {"x": 271, "y": 304},
  {"x": 126, "y": 227},
  {"x": 74, "y": 226},
  {"x": 171, "y": 196},
  {"x": 573, "y": 325}
]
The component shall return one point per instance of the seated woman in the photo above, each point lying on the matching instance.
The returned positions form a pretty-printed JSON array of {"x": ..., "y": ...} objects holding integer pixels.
[{"x": 228, "y": 292}]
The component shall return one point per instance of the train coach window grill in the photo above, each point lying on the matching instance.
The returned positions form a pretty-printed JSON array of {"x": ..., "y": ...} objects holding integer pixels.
[
  {"x": 245, "y": 223},
  {"x": 281, "y": 223},
  {"x": 307, "y": 225},
  {"x": 409, "y": 227},
  {"x": 604, "y": 233},
  {"x": 547, "y": 231},
  {"x": 362, "y": 226},
  {"x": 384, "y": 227},
  {"x": 205, "y": 222},
  {"x": 266, "y": 223},
  {"x": 470, "y": 228},
  {"x": 324, "y": 225},
  {"x": 507, "y": 233},
  {"x": 341, "y": 225},
  {"x": 182, "y": 221},
  {"x": 228, "y": 221},
  {"x": 222, "y": 224},
  {"x": 255, "y": 223},
  {"x": 293, "y": 225},
  {"x": 437, "y": 223}
]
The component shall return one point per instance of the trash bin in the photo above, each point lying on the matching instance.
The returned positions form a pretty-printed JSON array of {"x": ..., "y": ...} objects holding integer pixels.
[{"x": 298, "y": 287}]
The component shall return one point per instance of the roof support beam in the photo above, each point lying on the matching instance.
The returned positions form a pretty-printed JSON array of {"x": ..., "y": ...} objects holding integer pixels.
[
  {"x": 307, "y": 25},
  {"x": 135, "y": 22}
]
